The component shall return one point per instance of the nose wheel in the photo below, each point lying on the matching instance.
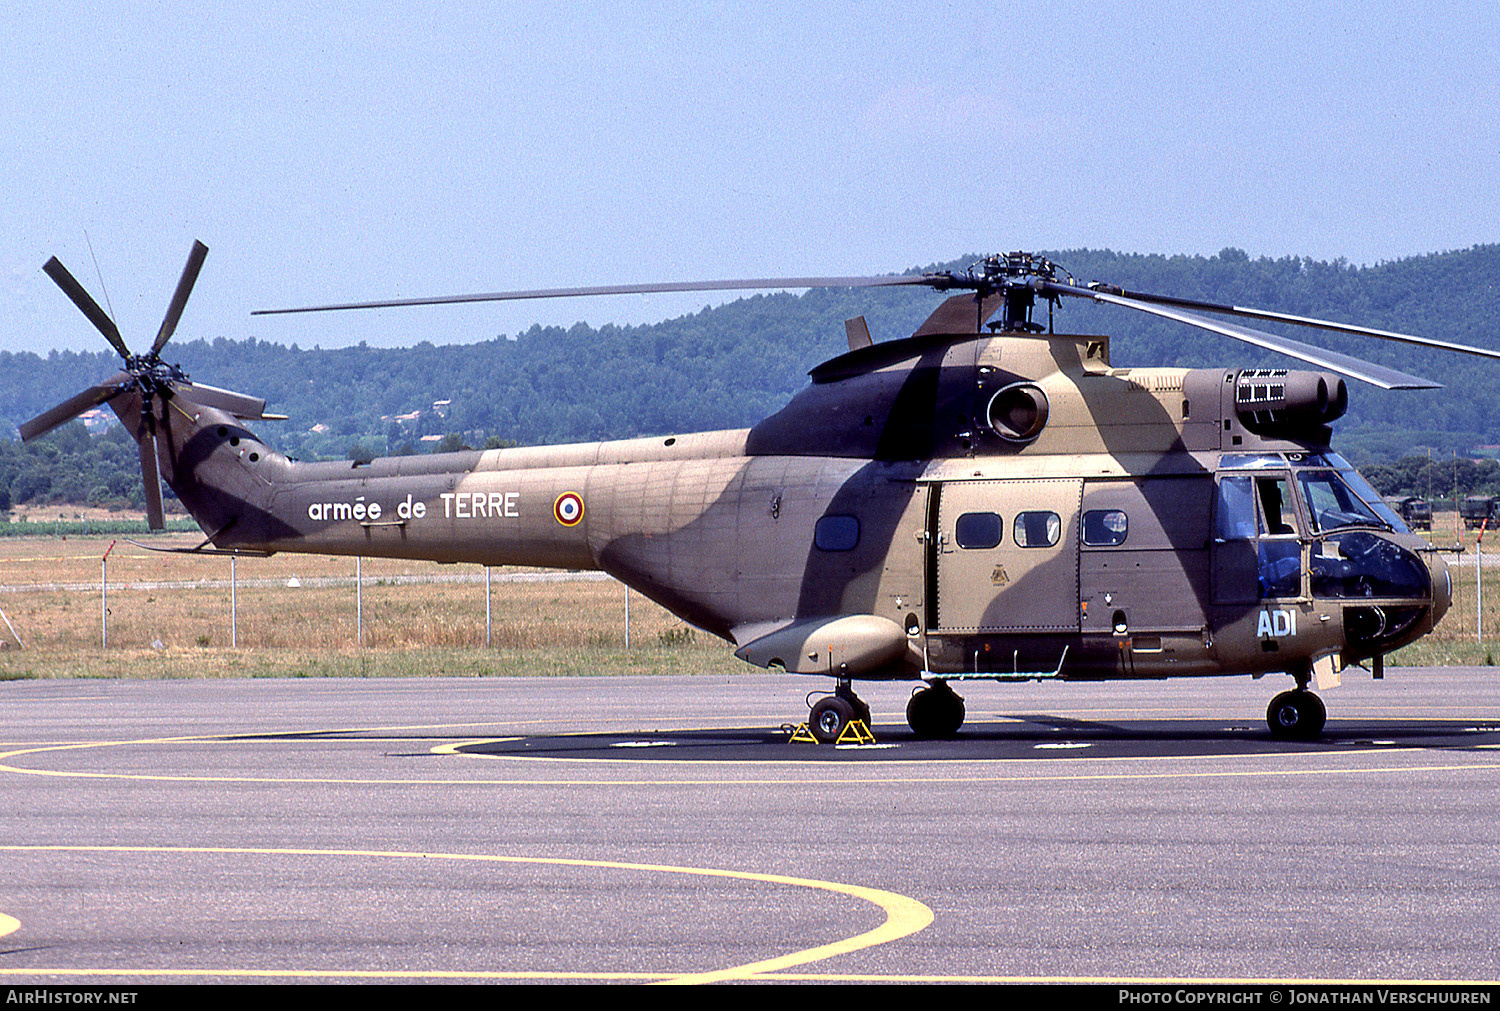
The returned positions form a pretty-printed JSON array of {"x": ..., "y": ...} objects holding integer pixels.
[
  {"x": 832, "y": 714},
  {"x": 1296, "y": 715}
]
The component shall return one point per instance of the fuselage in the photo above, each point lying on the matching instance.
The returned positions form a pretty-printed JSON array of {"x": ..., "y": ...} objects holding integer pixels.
[{"x": 1007, "y": 506}]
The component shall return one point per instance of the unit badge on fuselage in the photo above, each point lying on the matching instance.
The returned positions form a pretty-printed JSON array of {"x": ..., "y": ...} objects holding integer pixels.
[{"x": 1276, "y": 623}]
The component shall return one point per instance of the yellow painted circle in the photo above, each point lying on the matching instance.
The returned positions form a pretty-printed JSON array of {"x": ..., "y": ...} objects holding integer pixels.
[{"x": 903, "y": 915}]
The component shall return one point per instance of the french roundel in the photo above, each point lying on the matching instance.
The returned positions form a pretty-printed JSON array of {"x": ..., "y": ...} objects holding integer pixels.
[{"x": 568, "y": 508}]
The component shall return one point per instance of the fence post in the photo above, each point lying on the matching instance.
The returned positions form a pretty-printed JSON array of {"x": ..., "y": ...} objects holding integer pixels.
[
  {"x": 234, "y": 605},
  {"x": 1479, "y": 583},
  {"x": 104, "y": 597},
  {"x": 359, "y": 597}
]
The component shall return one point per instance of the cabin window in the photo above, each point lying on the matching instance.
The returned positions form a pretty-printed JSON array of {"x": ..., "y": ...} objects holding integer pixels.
[
  {"x": 836, "y": 533},
  {"x": 978, "y": 530},
  {"x": 1104, "y": 528},
  {"x": 1037, "y": 529}
]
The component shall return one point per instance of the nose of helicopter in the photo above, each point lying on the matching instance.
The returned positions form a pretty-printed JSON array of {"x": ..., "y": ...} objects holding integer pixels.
[{"x": 1442, "y": 585}]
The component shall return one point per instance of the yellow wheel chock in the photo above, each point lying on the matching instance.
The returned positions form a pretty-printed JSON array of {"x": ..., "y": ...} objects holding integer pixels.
[{"x": 855, "y": 732}]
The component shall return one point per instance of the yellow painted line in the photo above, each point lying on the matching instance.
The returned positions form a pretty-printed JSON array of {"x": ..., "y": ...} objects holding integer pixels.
[
  {"x": 810, "y": 977},
  {"x": 780, "y": 977},
  {"x": 1408, "y": 749},
  {"x": 847, "y": 776},
  {"x": 796, "y": 777},
  {"x": 8, "y": 924},
  {"x": 903, "y": 915},
  {"x": 452, "y": 748}
]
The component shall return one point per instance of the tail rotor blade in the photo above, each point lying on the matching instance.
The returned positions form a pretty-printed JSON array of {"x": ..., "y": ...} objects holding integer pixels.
[
  {"x": 81, "y": 298},
  {"x": 180, "y": 297},
  {"x": 152, "y": 477},
  {"x": 72, "y": 408}
]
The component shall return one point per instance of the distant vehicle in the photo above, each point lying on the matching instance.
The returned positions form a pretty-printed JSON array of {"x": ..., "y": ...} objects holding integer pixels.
[
  {"x": 1417, "y": 512},
  {"x": 1476, "y": 509}
]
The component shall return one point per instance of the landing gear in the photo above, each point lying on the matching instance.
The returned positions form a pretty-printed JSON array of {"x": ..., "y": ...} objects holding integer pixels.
[
  {"x": 832, "y": 714},
  {"x": 1296, "y": 715},
  {"x": 935, "y": 711}
]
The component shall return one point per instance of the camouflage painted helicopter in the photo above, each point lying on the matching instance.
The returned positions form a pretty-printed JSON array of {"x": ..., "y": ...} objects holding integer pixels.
[{"x": 977, "y": 501}]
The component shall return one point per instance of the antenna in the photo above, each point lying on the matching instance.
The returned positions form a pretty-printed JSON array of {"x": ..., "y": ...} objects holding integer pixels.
[{"x": 98, "y": 273}]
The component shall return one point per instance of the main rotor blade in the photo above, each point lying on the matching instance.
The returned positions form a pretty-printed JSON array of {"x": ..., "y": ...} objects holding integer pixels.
[
  {"x": 151, "y": 474},
  {"x": 81, "y": 298},
  {"x": 73, "y": 407},
  {"x": 1347, "y": 365},
  {"x": 180, "y": 297},
  {"x": 764, "y": 283},
  {"x": 1281, "y": 317}
]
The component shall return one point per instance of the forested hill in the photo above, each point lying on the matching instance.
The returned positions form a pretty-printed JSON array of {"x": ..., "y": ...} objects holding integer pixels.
[{"x": 732, "y": 365}]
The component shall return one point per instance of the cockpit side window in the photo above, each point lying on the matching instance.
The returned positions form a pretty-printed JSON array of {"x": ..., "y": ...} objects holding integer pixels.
[
  {"x": 1235, "y": 519},
  {"x": 1261, "y": 509},
  {"x": 1277, "y": 513}
]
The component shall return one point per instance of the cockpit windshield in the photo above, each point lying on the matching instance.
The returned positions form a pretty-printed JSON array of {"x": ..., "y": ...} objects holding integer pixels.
[
  {"x": 1337, "y": 498},
  {"x": 1372, "y": 498},
  {"x": 1333, "y": 505}
]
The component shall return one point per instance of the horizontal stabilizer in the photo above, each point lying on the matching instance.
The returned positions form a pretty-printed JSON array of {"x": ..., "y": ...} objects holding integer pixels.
[
  {"x": 240, "y": 405},
  {"x": 206, "y": 548}
]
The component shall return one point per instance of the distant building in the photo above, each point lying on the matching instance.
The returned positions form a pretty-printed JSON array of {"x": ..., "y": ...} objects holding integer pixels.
[{"x": 97, "y": 420}]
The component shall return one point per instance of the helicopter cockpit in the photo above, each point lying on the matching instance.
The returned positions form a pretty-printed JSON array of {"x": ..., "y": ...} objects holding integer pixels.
[{"x": 1307, "y": 527}]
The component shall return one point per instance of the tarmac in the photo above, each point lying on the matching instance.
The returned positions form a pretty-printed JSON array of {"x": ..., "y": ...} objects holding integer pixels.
[{"x": 669, "y": 830}]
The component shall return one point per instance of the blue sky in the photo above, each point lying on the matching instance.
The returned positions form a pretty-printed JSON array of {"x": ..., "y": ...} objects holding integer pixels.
[{"x": 346, "y": 151}]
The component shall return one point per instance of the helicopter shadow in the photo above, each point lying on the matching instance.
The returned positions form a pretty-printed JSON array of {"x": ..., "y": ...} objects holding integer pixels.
[{"x": 1037, "y": 737}]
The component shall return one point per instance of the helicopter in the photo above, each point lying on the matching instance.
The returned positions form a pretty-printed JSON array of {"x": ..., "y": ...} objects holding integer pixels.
[{"x": 987, "y": 499}]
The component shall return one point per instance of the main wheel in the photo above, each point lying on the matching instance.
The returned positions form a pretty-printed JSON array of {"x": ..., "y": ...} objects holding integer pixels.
[
  {"x": 1296, "y": 715},
  {"x": 935, "y": 711},
  {"x": 829, "y": 716}
]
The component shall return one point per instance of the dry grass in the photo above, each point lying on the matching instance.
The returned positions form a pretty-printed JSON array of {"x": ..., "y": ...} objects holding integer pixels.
[{"x": 170, "y": 617}]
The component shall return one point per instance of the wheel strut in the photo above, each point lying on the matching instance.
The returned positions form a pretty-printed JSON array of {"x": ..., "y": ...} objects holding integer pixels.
[{"x": 831, "y": 715}]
